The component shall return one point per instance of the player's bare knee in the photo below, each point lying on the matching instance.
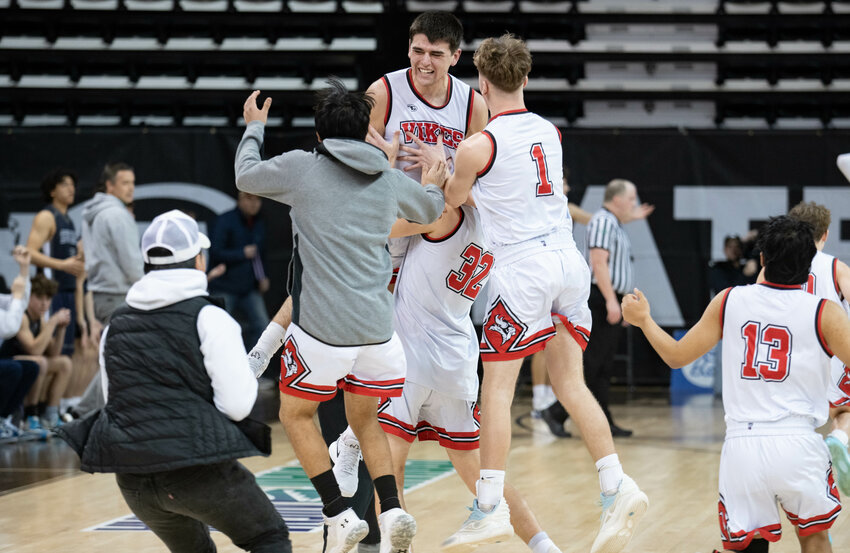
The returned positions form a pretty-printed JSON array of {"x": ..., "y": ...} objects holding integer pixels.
[
  {"x": 64, "y": 364},
  {"x": 815, "y": 543}
]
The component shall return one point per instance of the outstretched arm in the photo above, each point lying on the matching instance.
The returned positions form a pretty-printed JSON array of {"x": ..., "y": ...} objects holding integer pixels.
[
  {"x": 836, "y": 330},
  {"x": 473, "y": 155},
  {"x": 693, "y": 345}
]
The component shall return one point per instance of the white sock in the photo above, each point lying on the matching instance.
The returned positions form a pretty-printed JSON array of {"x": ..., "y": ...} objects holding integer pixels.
[
  {"x": 271, "y": 340},
  {"x": 610, "y": 474},
  {"x": 490, "y": 488},
  {"x": 540, "y": 543},
  {"x": 840, "y": 435},
  {"x": 69, "y": 403},
  {"x": 542, "y": 396}
]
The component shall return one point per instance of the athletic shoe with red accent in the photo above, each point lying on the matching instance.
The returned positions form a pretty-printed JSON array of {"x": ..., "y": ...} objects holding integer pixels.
[
  {"x": 397, "y": 530},
  {"x": 345, "y": 455},
  {"x": 481, "y": 528},
  {"x": 621, "y": 513},
  {"x": 344, "y": 531}
]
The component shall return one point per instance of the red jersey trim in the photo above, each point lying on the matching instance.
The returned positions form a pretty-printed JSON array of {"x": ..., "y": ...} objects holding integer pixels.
[
  {"x": 409, "y": 76},
  {"x": 835, "y": 277},
  {"x": 723, "y": 310},
  {"x": 560, "y": 138},
  {"x": 469, "y": 110},
  {"x": 509, "y": 112},
  {"x": 579, "y": 334},
  {"x": 492, "y": 159},
  {"x": 780, "y": 286},
  {"x": 815, "y": 524},
  {"x": 451, "y": 232},
  {"x": 389, "y": 100},
  {"x": 819, "y": 330}
]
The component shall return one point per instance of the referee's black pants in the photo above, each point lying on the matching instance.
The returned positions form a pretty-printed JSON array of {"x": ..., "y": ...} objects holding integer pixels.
[{"x": 600, "y": 351}]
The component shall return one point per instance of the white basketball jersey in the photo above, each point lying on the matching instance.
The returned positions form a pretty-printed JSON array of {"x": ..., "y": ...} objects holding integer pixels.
[
  {"x": 438, "y": 281},
  {"x": 520, "y": 193},
  {"x": 775, "y": 358},
  {"x": 408, "y": 112},
  {"x": 823, "y": 280}
]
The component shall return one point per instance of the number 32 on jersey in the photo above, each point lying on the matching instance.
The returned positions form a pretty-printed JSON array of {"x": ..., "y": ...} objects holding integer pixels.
[{"x": 467, "y": 280}]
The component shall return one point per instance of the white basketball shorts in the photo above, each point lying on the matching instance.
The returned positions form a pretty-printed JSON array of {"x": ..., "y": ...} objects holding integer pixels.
[
  {"x": 758, "y": 471},
  {"x": 528, "y": 295},
  {"x": 424, "y": 413},
  {"x": 312, "y": 369}
]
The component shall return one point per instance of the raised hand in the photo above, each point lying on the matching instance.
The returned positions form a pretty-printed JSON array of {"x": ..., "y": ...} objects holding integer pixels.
[
  {"x": 376, "y": 139},
  {"x": 251, "y": 112},
  {"x": 635, "y": 308}
]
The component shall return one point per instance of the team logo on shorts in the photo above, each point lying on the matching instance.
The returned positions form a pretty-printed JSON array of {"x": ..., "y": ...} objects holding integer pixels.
[
  {"x": 292, "y": 366},
  {"x": 502, "y": 330}
]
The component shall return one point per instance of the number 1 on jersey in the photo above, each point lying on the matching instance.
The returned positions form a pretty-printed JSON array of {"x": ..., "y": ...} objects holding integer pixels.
[{"x": 544, "y": 185}]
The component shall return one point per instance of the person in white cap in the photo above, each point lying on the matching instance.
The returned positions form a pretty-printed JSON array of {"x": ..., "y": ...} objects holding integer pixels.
[{"x": 178, "y": 390}]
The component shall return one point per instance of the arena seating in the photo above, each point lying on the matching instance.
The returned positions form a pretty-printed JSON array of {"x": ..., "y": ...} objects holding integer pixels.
[{"x": 597, "y": 63}]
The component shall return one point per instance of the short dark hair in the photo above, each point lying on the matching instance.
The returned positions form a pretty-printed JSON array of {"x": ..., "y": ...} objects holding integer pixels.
[
  {"x": 342, "y": 114},
  {"x": 43, "y": 286},
  {"x": 53, "y": 179},
  {"x": 163, "y": 252},
  {"x": 110, "y": 171},
  {"x": 438, "y": 25},
  {"x": 787, "y": 246}
]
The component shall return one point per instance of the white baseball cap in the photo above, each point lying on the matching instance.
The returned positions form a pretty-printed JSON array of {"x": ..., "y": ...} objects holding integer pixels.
[{"x": 176, "y": 232}]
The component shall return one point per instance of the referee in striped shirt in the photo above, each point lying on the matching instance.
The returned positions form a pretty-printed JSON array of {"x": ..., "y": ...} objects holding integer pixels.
[{"x": 610, "y": 259}]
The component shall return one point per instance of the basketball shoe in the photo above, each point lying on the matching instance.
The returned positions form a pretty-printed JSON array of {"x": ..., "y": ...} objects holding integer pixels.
[
  {"x": 345, "y": 455},
  {"x": 397, "y": 530},
  {"x": 344, "y": 531},
  {"x": 481, "y": 528},
  {"x": 621, "y": 513}
]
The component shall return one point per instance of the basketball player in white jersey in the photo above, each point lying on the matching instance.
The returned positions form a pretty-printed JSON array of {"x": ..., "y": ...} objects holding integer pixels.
[
  {"x": 777, "y": 344},
  {"x": 538, "y": 290},
  {"x": 445, "y": 266},
  {"x": 829, "y": 278}
]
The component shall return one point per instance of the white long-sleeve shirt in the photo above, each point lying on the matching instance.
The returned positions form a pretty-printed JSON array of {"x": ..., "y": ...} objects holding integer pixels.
[
  {"x": 234, "y": 385},
  {"x": 12, "y": 313}
]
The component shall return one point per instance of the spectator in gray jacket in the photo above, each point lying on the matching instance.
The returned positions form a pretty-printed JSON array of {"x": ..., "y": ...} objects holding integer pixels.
[
  {"x": 113, "y": 259},
  {"x": 111, "y": 240},
  {"x": 345, "y": 197}
]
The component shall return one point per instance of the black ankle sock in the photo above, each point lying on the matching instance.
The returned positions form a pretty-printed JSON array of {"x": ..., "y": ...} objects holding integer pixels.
[
  {"x": 387, "y": 492},
  {"x": 328, "y": 489},
  {"x": 42, "y": 405},
  {"x": 30, "y": 411},
  {"x": 757, "y": 546}
]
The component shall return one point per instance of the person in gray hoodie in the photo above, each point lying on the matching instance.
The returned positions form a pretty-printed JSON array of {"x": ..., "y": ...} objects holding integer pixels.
[
  {"x": 344, "y": 198},
  {"x": 112, "y": 256},
  {"x": 111, "y": 240}
]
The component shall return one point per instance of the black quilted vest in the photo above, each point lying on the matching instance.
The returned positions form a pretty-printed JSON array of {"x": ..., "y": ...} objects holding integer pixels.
[{"x": 160, "y": 413}]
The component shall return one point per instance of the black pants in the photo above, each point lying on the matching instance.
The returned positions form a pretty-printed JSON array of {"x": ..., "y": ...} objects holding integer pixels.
[
  {"x": 16, "y": 379},
  {"x": 599, "y": 355},
  {"x": 333, "y": 423},
  {"x": 178, "y": 505}
]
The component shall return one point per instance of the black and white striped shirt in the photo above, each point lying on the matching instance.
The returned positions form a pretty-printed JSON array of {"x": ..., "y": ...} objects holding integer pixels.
[{"x": 605, "y": 231}]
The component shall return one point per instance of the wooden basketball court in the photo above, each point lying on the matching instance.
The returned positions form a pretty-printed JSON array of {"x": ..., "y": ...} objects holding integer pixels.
[{"x": 50, "y": 506}]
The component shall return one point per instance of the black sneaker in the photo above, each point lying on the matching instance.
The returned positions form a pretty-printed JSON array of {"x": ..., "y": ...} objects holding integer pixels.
[
  {"x": 554, "y": 417},
  {"x": 618, "y": 432}
]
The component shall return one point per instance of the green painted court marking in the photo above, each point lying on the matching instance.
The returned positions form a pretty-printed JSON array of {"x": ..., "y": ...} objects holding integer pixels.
[
  {"x": 294, "y": 497},
  {"x": 417, "y": 473}
]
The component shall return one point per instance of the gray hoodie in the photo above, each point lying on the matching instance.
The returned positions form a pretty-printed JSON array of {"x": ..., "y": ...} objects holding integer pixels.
[
  {"x": 344, "y": 198},
  {"x": 111, "y": 245}
]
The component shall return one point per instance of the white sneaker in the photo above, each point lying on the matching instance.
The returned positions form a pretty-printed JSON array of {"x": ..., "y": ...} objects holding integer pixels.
[
  {"x": 397, "y": 531},
  {"x": 345, "y": 455},
  {"x": 258, "y": 361},
  {"x": 344, "y": 531},
  {"x": 9, "y": 433},
  {"x": 621, "y": 513},
  {"x": 481, "y": 528}
]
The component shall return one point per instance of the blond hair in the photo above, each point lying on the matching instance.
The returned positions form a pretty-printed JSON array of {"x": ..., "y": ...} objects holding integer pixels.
[
  {"x": 504, "y": 61},
  {"x": 816, "y": 215}
]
